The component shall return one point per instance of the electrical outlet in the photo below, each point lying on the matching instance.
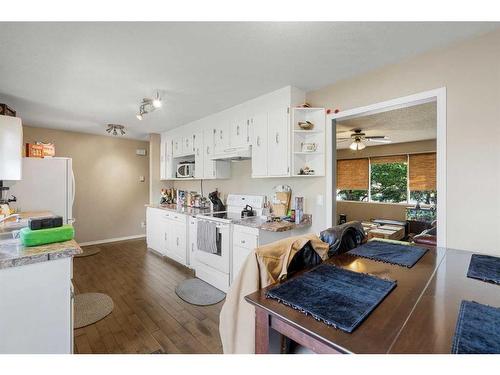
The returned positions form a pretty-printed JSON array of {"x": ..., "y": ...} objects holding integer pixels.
[
  {"x": 143, "y": 224},
  {"x": 142, "y": 179}
]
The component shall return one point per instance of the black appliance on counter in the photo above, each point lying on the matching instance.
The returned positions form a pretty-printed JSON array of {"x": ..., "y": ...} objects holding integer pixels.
[
  {"x": 216, "y": 201},
  {"x": 247, "y": 211}
]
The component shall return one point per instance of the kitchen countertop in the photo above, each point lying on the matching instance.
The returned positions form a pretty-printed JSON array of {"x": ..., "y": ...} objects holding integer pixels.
[
  {"x": 191, "y": 211},
  {"x": 13, "y": 253},
  {"x": 252, "y": 221},
  {"x": 262, "y": 224}
]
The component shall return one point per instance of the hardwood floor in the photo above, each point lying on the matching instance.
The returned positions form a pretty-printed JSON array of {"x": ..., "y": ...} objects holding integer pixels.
[{"x": 147, "y": 316}]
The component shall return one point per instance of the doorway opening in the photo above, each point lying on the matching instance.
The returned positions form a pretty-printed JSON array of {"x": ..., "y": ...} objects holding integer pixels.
[{"x": 386, "y": 166}]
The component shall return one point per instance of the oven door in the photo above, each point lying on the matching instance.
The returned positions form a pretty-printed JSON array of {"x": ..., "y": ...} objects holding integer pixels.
[{"x": 219, "y": 261}]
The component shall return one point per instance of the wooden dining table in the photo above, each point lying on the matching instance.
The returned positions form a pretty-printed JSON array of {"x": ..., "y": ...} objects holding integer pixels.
[{"x": 418, "y": 316}]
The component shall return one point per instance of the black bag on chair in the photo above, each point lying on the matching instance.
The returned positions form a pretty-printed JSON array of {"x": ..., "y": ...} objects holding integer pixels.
[{"x": 342, "y": 238}]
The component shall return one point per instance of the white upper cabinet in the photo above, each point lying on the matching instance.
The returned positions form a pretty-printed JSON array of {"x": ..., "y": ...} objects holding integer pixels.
[
  {"x": 221, "y": 135},
  {"x": 263, "y": 123},
  {"x": 11, "y": 140},
  {"x": 166, "y": 161},
  {"x": 199, "y": 155},
  {"x": 259, "y": 145},
  {"x": 278, "y": 140},
  {"x": 177, "y": 146}
]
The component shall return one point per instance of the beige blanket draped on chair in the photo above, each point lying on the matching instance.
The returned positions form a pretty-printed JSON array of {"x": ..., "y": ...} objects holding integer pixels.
[{"x": 264, "y": 266}]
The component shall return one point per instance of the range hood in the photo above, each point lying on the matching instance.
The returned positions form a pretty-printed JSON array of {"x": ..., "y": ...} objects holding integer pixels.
[{"x": 234, "y": 154}]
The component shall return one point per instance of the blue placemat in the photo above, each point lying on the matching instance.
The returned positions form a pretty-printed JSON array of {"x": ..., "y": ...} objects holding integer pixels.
[
  {"x": 336, "y": 296},
  {"x": 485, "y": 268},
  {"x": 478, "y": 329},
  {"x": 402, "y": 255}
]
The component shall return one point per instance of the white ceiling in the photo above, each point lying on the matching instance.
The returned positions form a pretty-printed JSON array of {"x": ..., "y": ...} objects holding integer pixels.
[
  {"x": 81, "y": 76},
  {"x": 407, "y": 124}
]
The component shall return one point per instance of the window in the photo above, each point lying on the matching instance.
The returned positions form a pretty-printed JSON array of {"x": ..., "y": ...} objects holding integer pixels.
[
  {"x": 389, "y": 179},
  {"x": 352, "y": 179},
  {"x": 408, "y": 179}
]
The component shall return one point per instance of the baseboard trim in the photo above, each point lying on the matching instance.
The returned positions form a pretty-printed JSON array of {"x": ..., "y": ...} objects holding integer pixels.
[{"x": 117, "y": 239}]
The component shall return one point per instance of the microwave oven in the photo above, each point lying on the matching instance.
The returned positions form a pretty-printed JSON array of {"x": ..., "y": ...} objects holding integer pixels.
[{"x": 185, "y": 170}]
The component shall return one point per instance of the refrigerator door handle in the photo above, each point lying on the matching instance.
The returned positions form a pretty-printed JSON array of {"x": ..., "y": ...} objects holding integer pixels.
[{"x": 73, "y": 192}]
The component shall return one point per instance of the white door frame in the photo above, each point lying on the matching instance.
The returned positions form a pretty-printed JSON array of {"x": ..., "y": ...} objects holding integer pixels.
[{"x": 438, "y": 95}]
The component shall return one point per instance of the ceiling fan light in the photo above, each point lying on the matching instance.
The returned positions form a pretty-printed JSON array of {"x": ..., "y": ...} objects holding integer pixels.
[
  {"x": 139, "y": 116},
  {"x": 357, "y": 145}
]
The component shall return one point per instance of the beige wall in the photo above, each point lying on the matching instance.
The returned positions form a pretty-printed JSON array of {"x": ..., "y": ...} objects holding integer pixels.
[
  {"x": 470, "y": 72},
  {"x": 367, "y": 211},
  {"x": 109, "y": 201},
  {"x": 390, "y": 149}
]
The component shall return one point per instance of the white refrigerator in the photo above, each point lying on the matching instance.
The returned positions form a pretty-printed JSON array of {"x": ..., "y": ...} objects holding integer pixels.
[{"x": 46, "y": 184}]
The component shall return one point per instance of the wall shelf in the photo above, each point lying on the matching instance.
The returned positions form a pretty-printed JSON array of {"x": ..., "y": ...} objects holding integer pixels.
[{"x": 300, "y": 159}]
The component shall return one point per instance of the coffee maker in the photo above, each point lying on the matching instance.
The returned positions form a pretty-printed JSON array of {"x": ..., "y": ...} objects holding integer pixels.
[{"x": 217, "y": 204}]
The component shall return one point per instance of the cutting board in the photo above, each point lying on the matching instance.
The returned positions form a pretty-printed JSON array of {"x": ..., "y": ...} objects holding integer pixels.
[{"x": 278, "y": 226}]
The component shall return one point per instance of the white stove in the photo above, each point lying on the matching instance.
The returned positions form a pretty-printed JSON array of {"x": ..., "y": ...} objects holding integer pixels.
[
  {"x": 214, "y": 267},
  {"x": 235, "y": 204}
]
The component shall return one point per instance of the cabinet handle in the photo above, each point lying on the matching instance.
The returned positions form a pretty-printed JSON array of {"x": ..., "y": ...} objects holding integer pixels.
[
  {"x": 258, "y": 141},
  {"x": 220, "y": 134},
  {"x": 242, "y": 241},
  {"x": 238, "y": 130},
  {"x": 277, "y": 138},
  {"x": 197, "y": 152},
  {"x": 208, "y": 150},
  {"x": 194, "y": 141},
  {"x": 165, "y": 236},
  {"x": 177, "y": 241},
  {"x": 192, "y": 247}
]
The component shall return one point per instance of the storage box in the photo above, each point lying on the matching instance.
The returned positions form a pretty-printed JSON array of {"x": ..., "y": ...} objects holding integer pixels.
[{"x": 34, "y": 150}]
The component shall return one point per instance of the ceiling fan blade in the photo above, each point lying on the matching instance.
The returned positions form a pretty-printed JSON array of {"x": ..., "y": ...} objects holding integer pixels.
[
  {"x": 379, "y": 140},
  {"x": 344, "y": 139},
  {"x": 376, "y": 137}
]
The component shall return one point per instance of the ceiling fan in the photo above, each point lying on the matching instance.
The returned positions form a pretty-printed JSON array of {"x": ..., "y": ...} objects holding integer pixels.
[{"x": 358, "y": 139}]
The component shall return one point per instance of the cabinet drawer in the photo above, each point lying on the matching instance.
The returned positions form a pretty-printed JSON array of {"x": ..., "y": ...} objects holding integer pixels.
[{"x": 245, "y": 240}]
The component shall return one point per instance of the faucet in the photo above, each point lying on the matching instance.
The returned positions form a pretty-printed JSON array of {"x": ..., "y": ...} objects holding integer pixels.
[{"x": 9, "y": 217}]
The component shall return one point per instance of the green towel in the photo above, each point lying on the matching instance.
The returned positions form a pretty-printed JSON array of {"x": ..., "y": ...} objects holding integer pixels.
[{"x": 45, "y": 236}]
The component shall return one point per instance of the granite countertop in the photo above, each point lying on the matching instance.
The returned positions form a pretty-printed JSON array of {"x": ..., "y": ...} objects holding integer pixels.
[
  {"x": 191, "y": 211},
  {"x": 262, "y": 223},
  {"x": 13, "y": 253}
]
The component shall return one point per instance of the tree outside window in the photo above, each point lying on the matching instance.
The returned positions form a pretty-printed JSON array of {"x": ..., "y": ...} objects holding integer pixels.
[{"x": 389, "y": 182}]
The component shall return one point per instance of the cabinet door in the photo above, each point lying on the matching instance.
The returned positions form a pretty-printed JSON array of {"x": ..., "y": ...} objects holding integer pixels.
[
  {"x": 208, "y": 150},
  {"x": 240, "y": 254},
  {"x": 198, "y": 155},
  {"x": 238, "y": 136},
  {"x": 221, "y": 140},
  {"x": 163, "y": 154},
  {"x": 278, "y": 142},
  {"x": 192, "y": 244},
  {"x": 154, "y": 230},
  {"x": 177, "y": 146},
  {"x": 259, "y": 145},
  {"x": 177, "y": 242},
  {"x": 188, "y": 145}
]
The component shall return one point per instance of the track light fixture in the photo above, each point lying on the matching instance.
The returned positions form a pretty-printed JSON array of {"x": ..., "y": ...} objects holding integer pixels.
[
  {"x": 149, "y": 105},
  {"x": 115, "y": 129}
]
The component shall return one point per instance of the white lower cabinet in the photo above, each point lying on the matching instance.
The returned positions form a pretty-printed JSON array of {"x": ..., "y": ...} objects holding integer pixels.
[
  {"x": 245, "y": 240},
  {"x": 166, "y": 233},
  {"x": 192, "y": 242}
]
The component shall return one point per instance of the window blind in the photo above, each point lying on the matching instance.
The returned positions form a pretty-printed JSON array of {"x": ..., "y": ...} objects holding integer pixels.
[
  {"x": 389, "y": 159},
  {"x": 422, "y": 172},
  {"x": 352, "y": 174}
]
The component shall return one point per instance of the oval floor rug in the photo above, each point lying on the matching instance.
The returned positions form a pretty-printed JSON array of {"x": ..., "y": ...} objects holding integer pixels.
[
  {"x": 88, "y": 252},
  {"x": 91, "y": 307},
  {"x": 197, "y": 292}
]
